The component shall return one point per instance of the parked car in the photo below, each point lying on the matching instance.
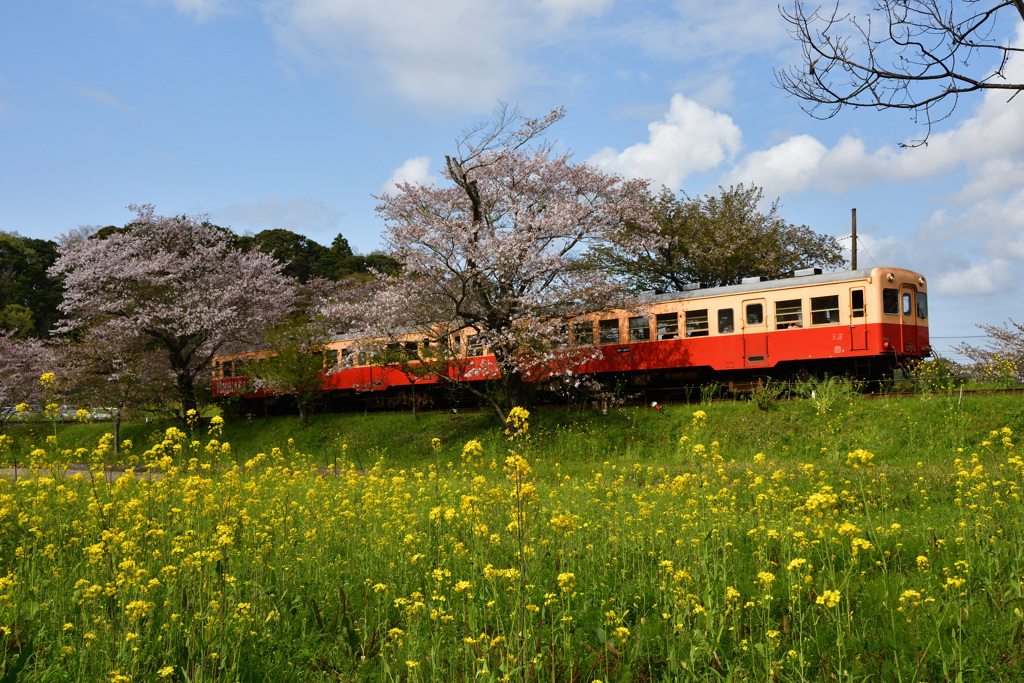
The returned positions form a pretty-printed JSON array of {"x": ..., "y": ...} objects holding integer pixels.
[
  {"x": 66, "y": 412},
  {"x": 100, "y": 414}
]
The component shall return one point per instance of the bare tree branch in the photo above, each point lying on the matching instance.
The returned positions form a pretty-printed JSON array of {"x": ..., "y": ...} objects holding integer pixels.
[{"x": 929, "y": 53}]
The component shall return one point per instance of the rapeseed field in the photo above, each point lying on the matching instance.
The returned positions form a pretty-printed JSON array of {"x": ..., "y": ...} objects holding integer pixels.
[{"x": 490, "y": 564}]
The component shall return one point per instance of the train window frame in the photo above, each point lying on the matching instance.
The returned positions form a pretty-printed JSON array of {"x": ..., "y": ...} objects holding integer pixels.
[
  {"x": 907, "y": 303},
  {"x": 825, "y": 310},
  {"x": 890, "y": 301},
  {"x": 667, "y": 326},
  {"x": 857, "y": 309},
  {"x": 697, "y": 323},
  {"x": 922, "y": 305},
  {"x": 789, "y": 314},
  {"x": 726, "y": 321},
  {"x": 640, "y": 328},
  {"x": 580, "y": 332},
  {"x": 755, "y": 314},
  {"x": 608, "y": 331}
]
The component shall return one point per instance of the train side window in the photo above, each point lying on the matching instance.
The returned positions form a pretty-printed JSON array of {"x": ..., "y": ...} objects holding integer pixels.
[
  {"x": 697, "y": 323},
  {"x": 609, "y": 331},
  {"x": 668, "y": 325},
  {"x": 474, "y": 345},
  {"x": 331, "y": 358},
  {"x": 755, "y": 314},
  {"x": 583, "y": 333},
  {"x": 922, "y": 305},
  {"x": 229, "y": 368},
  {"x": 725, "y": 321},
  {"x": 825, "y": 310},
  {"x": 891, "y": 301},
  {"x": 639, "y": 328},
  {"x": 789, "y": 314},
  {"x": 346, "y": 357},
  {"x": 857, "y": 303},
  {"x": 907, "y": 304}
]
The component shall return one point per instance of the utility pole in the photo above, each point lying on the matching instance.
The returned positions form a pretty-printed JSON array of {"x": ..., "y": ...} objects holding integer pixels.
[{"x": 853, "y": 243}]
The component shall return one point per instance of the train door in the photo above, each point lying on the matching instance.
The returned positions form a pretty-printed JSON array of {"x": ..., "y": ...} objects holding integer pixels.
[
  {"x": 755, "y": 333},
  {"x": 908, "y": 319},
  {"x": 858, "y": 320}
]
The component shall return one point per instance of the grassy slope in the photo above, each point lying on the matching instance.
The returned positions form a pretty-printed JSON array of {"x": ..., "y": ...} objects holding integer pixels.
[{"x": 900, "y": 431}]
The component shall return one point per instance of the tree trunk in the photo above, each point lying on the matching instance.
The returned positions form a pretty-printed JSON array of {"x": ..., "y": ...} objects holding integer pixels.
[
  {"x": 117, "y": 432},
  {"x": 303, "y": 414}
]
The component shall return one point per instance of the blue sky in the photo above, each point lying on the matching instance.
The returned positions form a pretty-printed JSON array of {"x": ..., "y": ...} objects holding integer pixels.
[{"x": 294, "y": 113}]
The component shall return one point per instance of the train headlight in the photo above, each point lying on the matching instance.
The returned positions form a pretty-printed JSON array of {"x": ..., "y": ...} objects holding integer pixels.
[
  {"x": 920, "y": 281},
  {"x": 890, "y": 277}
]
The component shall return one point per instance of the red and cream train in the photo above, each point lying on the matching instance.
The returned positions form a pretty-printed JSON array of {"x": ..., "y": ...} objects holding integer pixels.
[{"x": 863, "y": 323}]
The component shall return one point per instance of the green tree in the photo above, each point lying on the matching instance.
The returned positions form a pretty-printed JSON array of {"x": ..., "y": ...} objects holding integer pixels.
[
  {"x": 718, "y": 240},
  {"x": 297, "y": 348},
  {"x": 18, "y": 319},
  {"x": 25, "y": 284}
]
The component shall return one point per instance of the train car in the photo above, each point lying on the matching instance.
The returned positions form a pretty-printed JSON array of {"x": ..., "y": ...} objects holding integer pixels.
[{"x": 864, "y": 323}]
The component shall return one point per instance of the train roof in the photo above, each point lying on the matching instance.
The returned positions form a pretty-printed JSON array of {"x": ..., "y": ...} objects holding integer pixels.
[{"x": 651, "y": 297}]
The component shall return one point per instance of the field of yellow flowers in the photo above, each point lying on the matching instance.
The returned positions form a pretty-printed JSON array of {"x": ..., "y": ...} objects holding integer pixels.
[{"x": 489, "y": 563}]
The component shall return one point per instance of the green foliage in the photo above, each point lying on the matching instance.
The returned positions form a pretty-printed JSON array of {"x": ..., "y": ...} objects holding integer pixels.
[
  {"x": 296, "y": 360},
  {"x": 826, "y": 393},
  {"x": 304, "y": 258},
  {"x": 25, "y": 286},
  {"x": 764, "y": 394},
  {"x": 17, "y": 317},
  {"x": 719, "y": 240},
  {"x": 936, "y": 374}
]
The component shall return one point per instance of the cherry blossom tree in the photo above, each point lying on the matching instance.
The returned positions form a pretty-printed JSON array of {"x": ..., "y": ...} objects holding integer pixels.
[
  {"x": 499, "y": 253},
  {"x": 22, "y": 362},
  {"x": 178, "y": 283},
  {"x": 1001, "y": 360}
]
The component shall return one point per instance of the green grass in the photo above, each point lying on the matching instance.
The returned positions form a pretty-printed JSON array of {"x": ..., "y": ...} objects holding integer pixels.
[{"x": 902, "y": 430}]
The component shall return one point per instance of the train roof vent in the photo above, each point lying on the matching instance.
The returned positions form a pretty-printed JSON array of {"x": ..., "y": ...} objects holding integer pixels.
[
  {"x": 804, "y": 272},
  {"x": 753, "y": 280},
  {"x": 690, "y": 286}
]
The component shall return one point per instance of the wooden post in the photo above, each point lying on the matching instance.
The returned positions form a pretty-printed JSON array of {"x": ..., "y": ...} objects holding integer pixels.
[{"x": 853, "y": 242}]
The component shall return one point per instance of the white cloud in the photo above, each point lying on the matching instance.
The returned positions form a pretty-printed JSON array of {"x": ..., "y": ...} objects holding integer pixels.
[
  {"x": 415, "y": 171},
  {"x": 990, "y": 277},
  {"x": 563, "y": 10},
  {"x": 696, "y": 29},
  {"x": 690, "y": 138},
  {"x": 445, "y": 53},
  {"x": 875, "y": 250},
  {"x": 103, "y": 97},
  {"x": 303, "y": 215},
  {"x": 988, "y": 144}
]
